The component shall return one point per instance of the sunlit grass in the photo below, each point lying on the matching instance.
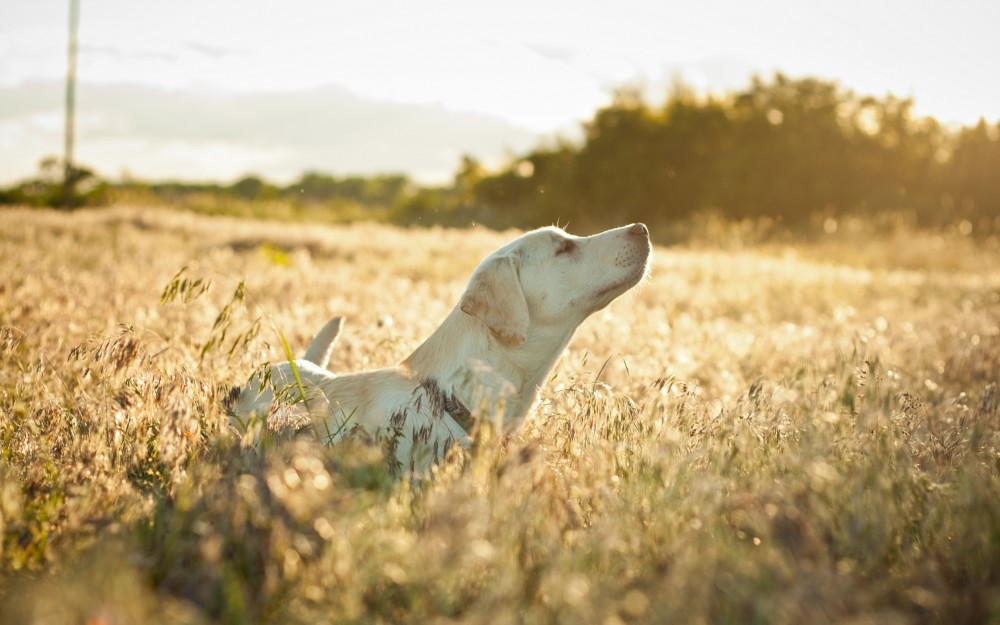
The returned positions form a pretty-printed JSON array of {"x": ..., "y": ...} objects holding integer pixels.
[{"x": 777, "y": 432}]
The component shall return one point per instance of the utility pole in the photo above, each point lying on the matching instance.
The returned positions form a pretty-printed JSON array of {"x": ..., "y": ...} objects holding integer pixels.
[{"x": 70, "y": 175}]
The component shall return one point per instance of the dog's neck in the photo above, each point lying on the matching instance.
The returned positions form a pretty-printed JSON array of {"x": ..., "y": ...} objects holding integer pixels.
[{"x": 471, "y": 364}]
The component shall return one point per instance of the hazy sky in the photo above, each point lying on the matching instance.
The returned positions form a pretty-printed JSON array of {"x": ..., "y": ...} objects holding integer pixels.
[{"x": 202, "y": 89}]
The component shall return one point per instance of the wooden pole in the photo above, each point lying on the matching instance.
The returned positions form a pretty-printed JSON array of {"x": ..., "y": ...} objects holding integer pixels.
[{"x": 70, "y": 175}]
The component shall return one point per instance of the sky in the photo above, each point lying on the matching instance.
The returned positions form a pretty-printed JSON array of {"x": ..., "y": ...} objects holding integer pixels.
[{"x": 216, "y": 89}]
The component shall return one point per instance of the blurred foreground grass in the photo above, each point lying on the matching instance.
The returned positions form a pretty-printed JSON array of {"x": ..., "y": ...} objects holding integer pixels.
[{"x": 774, "y": 433}]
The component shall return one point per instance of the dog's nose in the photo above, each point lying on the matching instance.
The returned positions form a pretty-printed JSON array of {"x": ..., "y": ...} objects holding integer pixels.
[{"x": 639, "y": 230}]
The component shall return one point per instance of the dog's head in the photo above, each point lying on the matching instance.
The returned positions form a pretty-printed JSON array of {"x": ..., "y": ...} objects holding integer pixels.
[{"x": 548, "y": 278}]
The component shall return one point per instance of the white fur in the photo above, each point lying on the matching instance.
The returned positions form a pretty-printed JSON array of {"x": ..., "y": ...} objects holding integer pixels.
[{"x": 491, "y": 354}]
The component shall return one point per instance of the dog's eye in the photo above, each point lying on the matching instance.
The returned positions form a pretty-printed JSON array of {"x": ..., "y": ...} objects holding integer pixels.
[{"x": 566, "y": 246}]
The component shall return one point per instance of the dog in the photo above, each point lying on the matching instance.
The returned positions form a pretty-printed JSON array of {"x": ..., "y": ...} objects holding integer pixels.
[{"x": 487, "y": 359}]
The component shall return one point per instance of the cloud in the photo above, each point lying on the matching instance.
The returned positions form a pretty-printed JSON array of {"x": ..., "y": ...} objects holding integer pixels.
[
  {"x": 118, "y": 54},
  {"x": 560, "y": 54},
  {"x": 156, "y": 134},
  {"x": 213, "y": 52}
]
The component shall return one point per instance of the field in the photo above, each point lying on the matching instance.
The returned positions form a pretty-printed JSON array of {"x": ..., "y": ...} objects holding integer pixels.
[{"x": 775, "y": 432}]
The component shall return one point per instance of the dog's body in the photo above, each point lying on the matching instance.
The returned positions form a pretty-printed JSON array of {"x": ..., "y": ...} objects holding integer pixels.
[{"x": 491, "y": 354}]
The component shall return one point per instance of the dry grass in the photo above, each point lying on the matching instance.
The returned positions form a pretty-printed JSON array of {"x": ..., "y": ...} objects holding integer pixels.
[{"x": 757, "y": 435}]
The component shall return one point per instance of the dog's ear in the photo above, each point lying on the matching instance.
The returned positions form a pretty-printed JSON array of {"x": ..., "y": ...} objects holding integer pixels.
[
  {"x": 322, "y": 345},
  {"x": 494, "y": 296}
]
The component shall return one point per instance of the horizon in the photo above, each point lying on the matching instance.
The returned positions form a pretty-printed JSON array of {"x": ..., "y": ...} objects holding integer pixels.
[{"x": 195, "y": 92}]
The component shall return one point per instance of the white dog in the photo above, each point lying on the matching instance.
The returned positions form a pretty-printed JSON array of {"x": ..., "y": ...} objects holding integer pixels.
[{"x": 492, "y": 353}]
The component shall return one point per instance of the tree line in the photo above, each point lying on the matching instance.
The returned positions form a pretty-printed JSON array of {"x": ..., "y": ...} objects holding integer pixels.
[
  {"x": 786, "y": 150},
  {"x": 782, "y": 149}
]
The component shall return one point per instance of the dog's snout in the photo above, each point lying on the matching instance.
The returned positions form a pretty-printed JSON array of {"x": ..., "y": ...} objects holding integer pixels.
[{"x": 639, "y": 230}]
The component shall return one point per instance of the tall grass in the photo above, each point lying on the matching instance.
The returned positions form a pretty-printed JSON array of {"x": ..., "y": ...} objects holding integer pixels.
[{"x": 775, "y": 433}]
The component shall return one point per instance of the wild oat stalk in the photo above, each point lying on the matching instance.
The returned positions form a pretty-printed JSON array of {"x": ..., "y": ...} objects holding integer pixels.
[{"x": 189, "y": 290}]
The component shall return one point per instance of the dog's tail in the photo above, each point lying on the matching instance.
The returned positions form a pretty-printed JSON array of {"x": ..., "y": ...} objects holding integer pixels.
[{"x": 322, "y": 345}]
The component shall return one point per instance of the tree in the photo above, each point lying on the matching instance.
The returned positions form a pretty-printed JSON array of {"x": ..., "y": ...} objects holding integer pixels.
[
  {"x": 971, "y": 187},
  {"x": 252, "y": 188}
]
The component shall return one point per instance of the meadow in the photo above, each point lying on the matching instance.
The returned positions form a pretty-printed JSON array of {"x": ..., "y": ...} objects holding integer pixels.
[{"x": 766, "y": 431}]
